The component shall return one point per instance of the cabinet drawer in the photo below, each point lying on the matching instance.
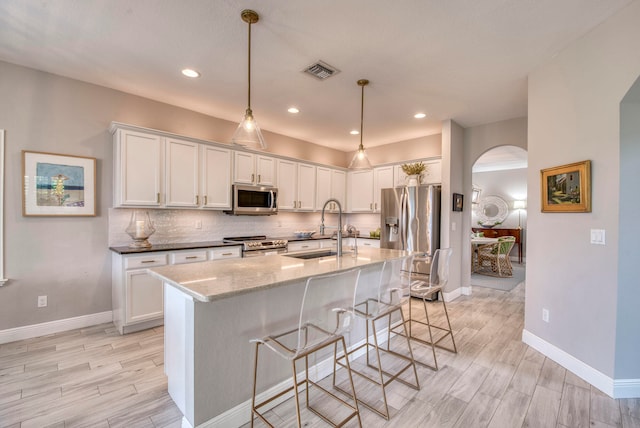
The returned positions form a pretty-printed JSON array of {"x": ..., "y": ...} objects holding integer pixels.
[
  {"x": 145, "y": 261},
  {"x": 370, "y": 243},
  {"x": 188, "y": 257},
  {"x": 225, "y": 253},
  {"x": 303, "y": 245}
]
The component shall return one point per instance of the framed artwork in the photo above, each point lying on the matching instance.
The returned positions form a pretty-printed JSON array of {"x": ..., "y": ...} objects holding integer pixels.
[
  {"x": 58, "y": 185},
  {"x": 458, "y": 200},
  {"x": 566, "y": 188}
]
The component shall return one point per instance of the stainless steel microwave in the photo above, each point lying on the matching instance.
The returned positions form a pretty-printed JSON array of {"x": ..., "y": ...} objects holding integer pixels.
[{"x": 254, "y": 200}]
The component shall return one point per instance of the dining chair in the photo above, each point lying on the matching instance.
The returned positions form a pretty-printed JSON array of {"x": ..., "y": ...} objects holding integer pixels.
[
  {"x": 493, "y": 259},
  {"x": 326, "y": 314}
]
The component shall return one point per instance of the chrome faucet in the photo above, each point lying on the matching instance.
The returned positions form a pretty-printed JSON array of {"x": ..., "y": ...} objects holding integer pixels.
[{"x": 339, "y": 234}]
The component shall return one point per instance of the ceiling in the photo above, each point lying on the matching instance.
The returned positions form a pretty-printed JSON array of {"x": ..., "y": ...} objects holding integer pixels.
[
  {"x": 465, "y": 60},
  {"x": 501, "y": 158}
]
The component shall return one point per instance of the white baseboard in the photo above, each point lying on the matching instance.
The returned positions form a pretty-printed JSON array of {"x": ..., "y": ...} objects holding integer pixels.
[
  {"x": 615, "y": 388},
  {"x": 452, "y": 295},
  {"x": 36, "y": 330}
]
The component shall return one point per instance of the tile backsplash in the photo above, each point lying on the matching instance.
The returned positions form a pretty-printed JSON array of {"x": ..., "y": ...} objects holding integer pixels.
[{"x": 179, "y": 226}]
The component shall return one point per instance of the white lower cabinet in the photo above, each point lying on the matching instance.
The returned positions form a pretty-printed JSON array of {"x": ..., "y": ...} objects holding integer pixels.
[
  {"x": 137, "y": 297},
  {"x": 303, "y": 245}
]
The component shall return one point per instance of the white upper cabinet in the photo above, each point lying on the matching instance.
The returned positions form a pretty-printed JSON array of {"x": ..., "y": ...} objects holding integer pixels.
[
  {"x": 296, "y": 186},
  {"x": 165, "y": 172},
  {"x": 250, "y": 168},
  {"x": 306, "y": 187},
  {"x": 138, "y": 169},
  {"x": 433, "y": 174},
  {"x": 215, "y": 185},
  {"x": 360, "y": 191},
  {"x": 287, "y": 196},
  {"x": 182, "y": 173},
  {"x": 382, "y": 179},
  {"x": 330, "y": 184}
]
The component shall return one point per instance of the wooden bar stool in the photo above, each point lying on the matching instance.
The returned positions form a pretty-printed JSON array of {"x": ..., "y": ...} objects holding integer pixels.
[{"x": 326, "y": 313}]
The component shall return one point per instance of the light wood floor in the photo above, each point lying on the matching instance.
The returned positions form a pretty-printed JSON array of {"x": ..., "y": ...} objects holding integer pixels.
[{"x": 95, "y": 378}]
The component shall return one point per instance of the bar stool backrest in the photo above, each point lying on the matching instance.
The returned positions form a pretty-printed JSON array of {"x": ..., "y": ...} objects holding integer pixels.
[
  {"x": 327, "y": 308},
  {"x": 439, "y": 274},
  {"x": 395, "y": 281}
]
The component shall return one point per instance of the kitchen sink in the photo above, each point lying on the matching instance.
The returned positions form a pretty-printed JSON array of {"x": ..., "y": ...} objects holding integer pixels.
[{"x": 314, "y": 254}]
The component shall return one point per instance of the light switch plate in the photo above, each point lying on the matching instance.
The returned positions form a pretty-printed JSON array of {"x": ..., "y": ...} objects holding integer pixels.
[{"x": 598, "y": 236}]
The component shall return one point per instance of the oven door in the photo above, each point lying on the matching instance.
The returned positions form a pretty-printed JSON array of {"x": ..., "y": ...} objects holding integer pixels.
[{"x": 269, "y": 252}]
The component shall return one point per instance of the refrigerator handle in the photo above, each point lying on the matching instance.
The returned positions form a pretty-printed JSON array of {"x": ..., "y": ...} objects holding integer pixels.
[{"x": 403, "y": 219}]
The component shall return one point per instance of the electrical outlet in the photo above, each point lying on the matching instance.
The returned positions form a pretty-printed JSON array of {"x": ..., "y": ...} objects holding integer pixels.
[
  {"x": 42, "y": 301},
  {"x": 545, "y": 315},
  {"x": 198, "y": 224}
]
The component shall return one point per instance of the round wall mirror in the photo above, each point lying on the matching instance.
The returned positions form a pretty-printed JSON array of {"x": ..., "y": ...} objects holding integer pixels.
[{"x": 491, "y": 210}]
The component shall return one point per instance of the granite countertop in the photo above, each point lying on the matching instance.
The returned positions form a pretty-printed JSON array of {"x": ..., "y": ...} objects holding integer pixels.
[
  {"x": 219, "y": 279},
  {"x": 318, "y": 237},
  {"x": 173, "y": 247}
]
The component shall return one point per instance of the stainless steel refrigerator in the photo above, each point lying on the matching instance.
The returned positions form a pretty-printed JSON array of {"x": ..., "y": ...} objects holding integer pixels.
[{"x": 410, "y": 220}]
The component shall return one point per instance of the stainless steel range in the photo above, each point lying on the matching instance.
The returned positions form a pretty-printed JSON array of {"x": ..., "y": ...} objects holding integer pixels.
[{"x": 253, "y": 246}]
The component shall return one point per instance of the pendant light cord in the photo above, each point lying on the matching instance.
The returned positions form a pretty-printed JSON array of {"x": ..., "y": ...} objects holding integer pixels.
[
  {"x": 361, "y": 117},
  {"x": 249, "y": 71}
]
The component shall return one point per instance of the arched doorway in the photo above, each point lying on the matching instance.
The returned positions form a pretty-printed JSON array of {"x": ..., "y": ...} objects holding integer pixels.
[{"x": 499, "y": 182}]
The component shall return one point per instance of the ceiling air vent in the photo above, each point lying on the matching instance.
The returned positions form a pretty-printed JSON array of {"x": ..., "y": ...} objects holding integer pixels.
[{"x": 321, "y": 70}]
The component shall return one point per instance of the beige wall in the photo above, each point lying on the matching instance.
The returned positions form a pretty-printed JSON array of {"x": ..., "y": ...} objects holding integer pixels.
[
  {"x": 417, "y": 148},
  {"x": 68, "y": 259}
]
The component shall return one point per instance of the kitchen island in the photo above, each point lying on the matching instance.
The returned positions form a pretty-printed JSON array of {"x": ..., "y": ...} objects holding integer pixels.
[{"x": 212, "y": 309}]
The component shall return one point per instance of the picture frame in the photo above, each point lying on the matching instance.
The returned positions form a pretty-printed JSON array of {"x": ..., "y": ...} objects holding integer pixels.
[
  {"x": 566, "y": 188},
  {"x": 58, "y": 185},
  {"x": 458, "y": 201}
]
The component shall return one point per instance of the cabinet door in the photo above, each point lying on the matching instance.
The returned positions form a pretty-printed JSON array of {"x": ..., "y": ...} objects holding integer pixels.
[
  {"x": 243, "y": 168},
  {"x": 138, "y": 172},
  {"x": 306, "y": 187},
  {"x": 382, "y": 179},
  {"x": 339, "y": 187},
  {"x": 433, "y": 174},
  {"x": 181, "y": 173},
  {"x": 323, "y": 186},
  {"x": 144, "y": 296},
  {"x": 216, "y": 177},
  {"x": 360, "y": 193},
  {"x": 303, "y": 245},
  {"x": 265, "y": 171},
  {"x": 287, "y": 196}
]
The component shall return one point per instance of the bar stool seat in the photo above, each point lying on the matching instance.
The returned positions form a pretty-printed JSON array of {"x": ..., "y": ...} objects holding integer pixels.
[
  {"x": 391, "y": 292},
  {"x": 326, "y": 314}
]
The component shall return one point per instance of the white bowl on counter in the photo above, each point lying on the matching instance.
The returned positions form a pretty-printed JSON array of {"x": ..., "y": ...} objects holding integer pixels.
[{"x": 303, "y": 234}]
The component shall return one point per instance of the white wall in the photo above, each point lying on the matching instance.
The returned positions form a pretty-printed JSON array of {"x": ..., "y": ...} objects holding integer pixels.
[
  {"x": 510, "y": 185},
  {"x": 574, "y": 114}
]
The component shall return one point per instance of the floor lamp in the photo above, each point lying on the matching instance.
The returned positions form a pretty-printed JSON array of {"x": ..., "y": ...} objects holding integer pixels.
[{"x": 519, "y": 205}]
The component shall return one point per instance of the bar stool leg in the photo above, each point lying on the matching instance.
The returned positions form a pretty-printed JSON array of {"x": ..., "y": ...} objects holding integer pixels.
[{"x": 255, "y": 377}]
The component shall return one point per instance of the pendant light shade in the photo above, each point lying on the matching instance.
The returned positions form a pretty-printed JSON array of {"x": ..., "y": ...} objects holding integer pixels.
[
  {"x": 248, "y": 132},
  {"x": 360, "y": 159}
]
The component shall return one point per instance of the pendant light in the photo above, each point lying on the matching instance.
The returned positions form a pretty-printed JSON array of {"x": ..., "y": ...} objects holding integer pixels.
[
  {"x": 360, "y": 159},
  {"x": 248, "y": 132}
]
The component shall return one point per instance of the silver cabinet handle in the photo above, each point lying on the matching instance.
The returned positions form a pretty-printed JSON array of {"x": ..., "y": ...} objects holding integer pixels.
[
  {"x": 259, "y": 178},
  {"x": 205, "y": 199},
  {"x": 226, "y": 254},
  {"x": 191, "y": 257},
  {"x": 148, "y": 261},
  {"x": 252, "y": 177},
  {"x": 197, "y": 200},
  {"x": 375, "y": 206},
  {"x": 371, "y": 206},
  {"x": 158, "y": 197}
]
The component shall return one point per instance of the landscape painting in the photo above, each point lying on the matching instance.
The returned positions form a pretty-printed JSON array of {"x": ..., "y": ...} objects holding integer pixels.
[
  {"x": 567, "y": 188},
  {"x": 58, "y": 185}
]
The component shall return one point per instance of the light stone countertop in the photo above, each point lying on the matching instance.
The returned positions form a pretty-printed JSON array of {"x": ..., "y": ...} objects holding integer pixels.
[{"x": 219, "y": 279}]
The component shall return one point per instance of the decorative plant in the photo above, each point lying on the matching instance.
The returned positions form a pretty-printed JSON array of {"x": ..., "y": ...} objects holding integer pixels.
[{"x": 416, "y": 168}]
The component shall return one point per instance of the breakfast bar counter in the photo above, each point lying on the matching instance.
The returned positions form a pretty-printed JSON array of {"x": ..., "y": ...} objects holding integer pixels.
[{"x": 212, "y": 309}]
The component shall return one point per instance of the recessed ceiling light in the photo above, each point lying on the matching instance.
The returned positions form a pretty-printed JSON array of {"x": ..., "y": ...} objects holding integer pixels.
[
  {"x": 293, "y": 110},
  {"x": 190, "y": 73},
  {"x": 419, "y": 115},
  {"x": 354, "y": 132}
]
